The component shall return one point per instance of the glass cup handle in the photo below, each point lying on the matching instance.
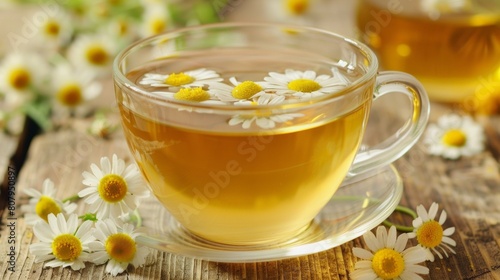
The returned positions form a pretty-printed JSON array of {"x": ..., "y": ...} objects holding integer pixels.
[{"x": 400, "y": 142}]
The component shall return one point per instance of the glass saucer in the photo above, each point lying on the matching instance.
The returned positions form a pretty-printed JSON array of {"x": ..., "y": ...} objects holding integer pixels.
[{"x": 361, "y": 204}]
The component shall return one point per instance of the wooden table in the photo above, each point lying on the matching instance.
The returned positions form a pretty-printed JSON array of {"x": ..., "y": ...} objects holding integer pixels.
[{"x": 468, "y": 189}]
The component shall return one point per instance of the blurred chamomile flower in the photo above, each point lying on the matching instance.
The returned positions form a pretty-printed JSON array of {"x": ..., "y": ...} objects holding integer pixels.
[
  {"x": 262, "y": 118},
  {"x": 43, "y": 203},
  {"x": 55, "y": 32},
  {"x": 304, "y": 84},
  {"x": 20, "y": 74},
  {"x": 194, "y": 78},
  {"x": 101, "y": 126},
  {"x": 430, "y": 233},
  {"x": 62, "y": 242},
  {"x": 156, "y": 19},
  {"x": 387, "y": 257},
  {"x": 116, "y": 245},
  {"x": 94, "y": 52},
  {"x": 454, "y": 136},
  {"x": 113, "y": 190},
  {"x": 72, "y": 89}
]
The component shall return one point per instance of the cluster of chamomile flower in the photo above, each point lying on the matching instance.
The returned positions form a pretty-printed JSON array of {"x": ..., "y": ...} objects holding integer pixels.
[
  {"x": 208, "y": 87},
  {"x": 106, "y": 234},
  {"x": 387, "y": 257},
  {"x": 57, "y": 62}
]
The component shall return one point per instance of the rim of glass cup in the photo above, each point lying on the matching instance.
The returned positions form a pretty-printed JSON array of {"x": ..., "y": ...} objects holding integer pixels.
[{"x": 120, "y": 77}]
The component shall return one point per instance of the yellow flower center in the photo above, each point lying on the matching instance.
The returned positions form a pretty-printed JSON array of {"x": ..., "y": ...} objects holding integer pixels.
[
  {"x": 70, "y": 95},
  {"x": 388, "y": 264},
  {"x": 112, "y": 188},
  {"x": 430, "y": 234},
  {"x": 303, "y": 85},
  {"x": 192, "y": 94},
  {"x": 297, "y": 7},
  {"x": 120, "y": 247},
  {"x": 52, "y": 28},
  {"x": 179, "y": 79},
  {"x": 455, "y": 138},
  {"x": 157, "y": 26},
  {"x": 245, "y": 90},
  {"x": 97, "y": 55},
  {"x": 46, "y": 206},
  {"x": 19, "y": 78},
  {"x": 66, "y": 247}
]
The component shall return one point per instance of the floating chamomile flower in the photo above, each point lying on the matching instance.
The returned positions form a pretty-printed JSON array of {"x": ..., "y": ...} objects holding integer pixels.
[
  {"x": 93, "y": 52},
  {"x": 263, "y": 119},
  {"x": 192, "y": 94},
  {"x": 246, "y": 90},
  {"x": 72, "y": 88},
  {"x": 388, "y": 258},
  {"x": 430, "y": 233},
  {"x": 454, "y": 136},
  {"x": 304, "y": 84},
  {"x": 194, "y": 78},
  {"x": 116, "y": 245},
  {"x": 113, "y": 190},
  {"x": 41, "y": 204},
  {"x": 62, "y": 242}
]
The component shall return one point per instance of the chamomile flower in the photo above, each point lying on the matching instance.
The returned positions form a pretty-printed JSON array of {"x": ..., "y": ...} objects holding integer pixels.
[
  {"x": 387, "y": 257},
  {"x": 101, "y": 126},
  {"x": 62, "y": 242},
  {"x": 113, "y": 190},
  {"x": 55, "y": 32},
  {"x": 72, "y": 88},
  {"x": 41, "y": 204},
  {"x": 194, "y": 78},
  {"x": 20, "y": 72},
  {"x": 246, "y": 90},
  {"x": 304, "y": 84},
  {"x": 156, "y": 19},
  {"x": 116, "y": 245},
  {"x": 454, "y": 136},
  {"x": 430, "y": 233},
  {"x": 94, "y": 52},
  {"x": 191, "y": 94},
  {"x": 262, "y": 119}
]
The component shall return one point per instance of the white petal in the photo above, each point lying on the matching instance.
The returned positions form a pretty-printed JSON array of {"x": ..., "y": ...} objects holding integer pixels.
[
  {"x": 448, "y": 240},
  {"x": 362, "y": 253},
  {"x": 97, "y": 172},
  {"x": 422, "y": 213},
  {"x": 433, "y": 211},
  {"x": 442, "y": 218},
  {"x": 371, "y": 241},
  {"x": 401, "y": 242},
  {"x": 392, "y": 238},
  {"x": 449, "y": 231}
]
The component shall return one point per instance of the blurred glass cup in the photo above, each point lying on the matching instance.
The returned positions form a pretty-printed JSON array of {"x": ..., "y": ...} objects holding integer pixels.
[{"x": 451, "y": 46}]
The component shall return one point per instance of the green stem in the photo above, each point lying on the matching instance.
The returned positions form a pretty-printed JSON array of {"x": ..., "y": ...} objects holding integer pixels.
[
  {"x": 404, "y": 210},
  {"x": 71, "y": 198}
]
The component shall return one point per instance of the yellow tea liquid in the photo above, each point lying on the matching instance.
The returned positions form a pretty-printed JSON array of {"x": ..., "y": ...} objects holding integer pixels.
[
  {"x": 454, "y": 56},
  {"x": 238, "y": 186}
]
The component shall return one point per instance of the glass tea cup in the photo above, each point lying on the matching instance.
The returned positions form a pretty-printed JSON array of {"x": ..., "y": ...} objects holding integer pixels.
[
  {"x": 452, "y": 47},
  {"x": 245, "y": 131}
]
